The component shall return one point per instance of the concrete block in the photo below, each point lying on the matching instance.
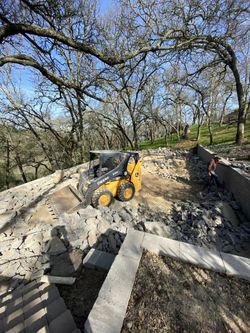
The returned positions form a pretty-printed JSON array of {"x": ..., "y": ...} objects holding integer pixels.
[
  {"x": 43, "y": 287},
  {"x": 58, "y": 279},
  {"x": 12, "y": 301},
  {"x": 28, "y": 287},
  {"x": 19, "y": 328},
  {"x": 36, "y": 321},
  {"x": 16, "y": 304},
  {"x": 13, "y": 319},
  {"x": 55, "y": 309},
  {"x": 63, "y": 323},
  {"x": 114, "y": 295},
  {"x": 98, "y": 260},
  {"x": 31, "y": 295},
  {"x": 132, "y": 245},
  {"x": 44, "y": 329},
  {"x": 104, "y": 318},
  {"x": 1, "y": 326},
  {"x": 30, "y": 308},
  {"x": 2, "y": 311},
  {"x": 49, "y": 295},
  {"x": 208, "y": 259},
  {"x": 161, "y": 246},
  {"x": 117, "y": 287},
  {"x": 236, "y": 266}
]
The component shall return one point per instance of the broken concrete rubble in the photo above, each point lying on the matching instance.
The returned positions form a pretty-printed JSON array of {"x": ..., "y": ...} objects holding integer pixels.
[{"x": 39, "y": 241}]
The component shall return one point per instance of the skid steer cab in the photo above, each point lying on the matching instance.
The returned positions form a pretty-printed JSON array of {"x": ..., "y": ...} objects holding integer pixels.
[{"x": 111, "y": 174}]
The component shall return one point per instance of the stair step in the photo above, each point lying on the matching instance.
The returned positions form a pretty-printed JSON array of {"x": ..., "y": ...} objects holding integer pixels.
[
  {"x": 63, "y": 323},
  {"x": 99, "y": 260}
]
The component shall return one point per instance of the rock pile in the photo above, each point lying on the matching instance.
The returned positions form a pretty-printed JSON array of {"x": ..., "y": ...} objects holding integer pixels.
[{"x": 34, "y": 240}]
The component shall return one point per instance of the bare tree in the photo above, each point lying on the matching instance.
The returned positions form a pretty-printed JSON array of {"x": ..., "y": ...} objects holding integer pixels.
[{"x": 159, "y": 27}]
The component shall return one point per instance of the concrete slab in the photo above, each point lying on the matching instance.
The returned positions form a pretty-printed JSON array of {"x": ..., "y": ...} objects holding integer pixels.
[
  {"x": 99, "y": 260},
  {"x": 109, "y": 310},
  {"x": 132, "y": 245},
  {"x": 208, "y": 259},
  {"x": 119, "y": 282},
  {"x": 236, "y": 266},
  {"x": 104, "y": 319},
  {"x": 161, "y": 246}
]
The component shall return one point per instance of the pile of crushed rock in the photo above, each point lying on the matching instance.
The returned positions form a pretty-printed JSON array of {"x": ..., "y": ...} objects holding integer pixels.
[{"x": 36, "y": 241}]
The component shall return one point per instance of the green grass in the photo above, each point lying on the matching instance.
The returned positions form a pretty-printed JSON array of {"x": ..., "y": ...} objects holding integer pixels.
[
  {"x": 158, "y": 143},
  {"x": 224, "y": 134}
]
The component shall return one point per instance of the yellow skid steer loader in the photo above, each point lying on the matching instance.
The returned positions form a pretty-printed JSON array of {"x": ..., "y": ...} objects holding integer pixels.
[{"x": 110, "y": 174}]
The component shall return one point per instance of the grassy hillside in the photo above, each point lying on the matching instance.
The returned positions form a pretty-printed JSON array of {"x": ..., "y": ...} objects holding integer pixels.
[{"x": 223, "y": 134}]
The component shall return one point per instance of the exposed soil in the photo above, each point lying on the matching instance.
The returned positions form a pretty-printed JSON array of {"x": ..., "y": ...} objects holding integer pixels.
[
  {"x": 81, "y": 296},
  {"x": 159, "y": 192},
  {"x": 171, "y": 296}
]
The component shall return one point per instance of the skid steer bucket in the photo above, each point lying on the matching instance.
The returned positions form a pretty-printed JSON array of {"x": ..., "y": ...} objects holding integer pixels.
[{"x": 66, "y": 200}]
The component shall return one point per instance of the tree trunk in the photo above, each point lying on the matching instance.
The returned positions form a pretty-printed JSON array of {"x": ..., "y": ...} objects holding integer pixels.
[
  {"x": 20, "y": 167},
  {"x": 224, "y": 109},
  {"x": 7, "y": 172},
  {"x": 210, "y": 132},
  {"x": 198, "y": 134},
  {"x": 135, "y": 134},
  {"x": 240, "y": 95}
]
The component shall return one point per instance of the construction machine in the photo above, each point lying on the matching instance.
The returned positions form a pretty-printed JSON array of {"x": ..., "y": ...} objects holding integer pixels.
[{"x": 111, "y": 174}]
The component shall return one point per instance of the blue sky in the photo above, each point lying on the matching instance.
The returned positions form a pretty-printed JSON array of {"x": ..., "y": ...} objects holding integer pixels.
[
  {"x": 106, "y": 4},
  {"x": 25, "y": 73}
]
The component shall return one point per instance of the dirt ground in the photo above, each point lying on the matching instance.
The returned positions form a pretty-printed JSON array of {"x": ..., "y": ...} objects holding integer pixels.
[
  {"x": 170, "y": 296},
  {"x": 81, "y": 296},
  {"x": 158, "y": 193}
]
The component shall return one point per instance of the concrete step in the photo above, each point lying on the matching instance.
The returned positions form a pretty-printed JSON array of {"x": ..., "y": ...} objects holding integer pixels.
[
  {"x": 99, "y": 260},
  {"x": 35, "y": 307},
  {"x": 63, "y": 323}
]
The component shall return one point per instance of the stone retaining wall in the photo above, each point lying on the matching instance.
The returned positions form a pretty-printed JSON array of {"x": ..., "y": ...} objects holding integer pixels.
[{"x": 234, "y": 181}]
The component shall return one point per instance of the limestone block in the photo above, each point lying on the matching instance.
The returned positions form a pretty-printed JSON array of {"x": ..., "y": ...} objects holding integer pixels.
[
  {"x": 132, "y": 245},
  {"x": 98, "y": 260},
  {"x": 236, "y": 266},
  {"x": 158, "y": 228},
  {"x": 92, "y": 237},
  {"x": 199, "y": 256},
  {"x": 161, "y": 245},
  {"x": 103, "y": 226}
]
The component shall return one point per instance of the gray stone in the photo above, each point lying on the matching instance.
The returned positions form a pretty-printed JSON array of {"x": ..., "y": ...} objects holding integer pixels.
[
  {"x": 228, "y": 248},
  {"x": 98, "y": 260},
  {"x": 158, "y": 228},
  {"x": 63, "y": 323},
  {"x": 5, "y": 218},
  {"x": 229, "y": 213},
  {"x": 91, "y": 221},
  {"x": 236, "y": 266},
  {"x": 92, "y": 237},
  {"x": 116, "y": 218},
  {"x": 112, "y": 242},
  {"x": 132, "y": 245},
  {"x": 103, "y": 226},
  {"x": 161, "y": 245},
  {"x": 56, "y": 246},
  {"x": 66, "y": 264},
  {"x": 113, "y": 297},
  {"x": 199, "y": 256},
  {"x": 126, "y": 217},
  {"x": 89, "y": 212}
]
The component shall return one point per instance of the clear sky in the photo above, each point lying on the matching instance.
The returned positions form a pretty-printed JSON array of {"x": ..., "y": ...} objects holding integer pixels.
[{"x": 105, "y": 5}]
